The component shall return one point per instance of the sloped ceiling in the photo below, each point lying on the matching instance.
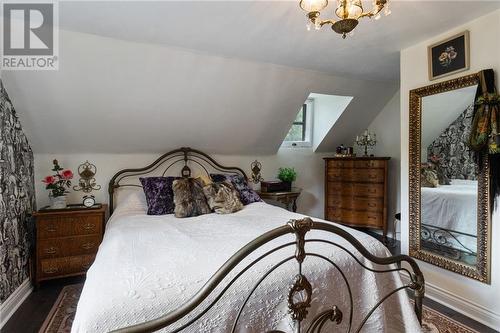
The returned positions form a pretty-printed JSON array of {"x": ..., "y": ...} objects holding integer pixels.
[{"x": 226, "y": 77}]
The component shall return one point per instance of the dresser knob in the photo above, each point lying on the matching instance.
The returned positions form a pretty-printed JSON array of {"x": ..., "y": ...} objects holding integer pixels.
[
  {"x": 372, "y": 190},
  {"x": 51, "y": 250},
  {"x": 50, "y": 228},
  {"x": 86, "y": 265},
  {"x": 89, "y": 226},
  {"x": 88, "y": 246},
  {"x": 370, "y": 204},
  {"x": 51, "y": 270},
  {"x": 372, "y": 217}
]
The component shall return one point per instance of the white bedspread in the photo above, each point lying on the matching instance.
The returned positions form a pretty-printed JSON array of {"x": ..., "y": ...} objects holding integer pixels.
[
  {"x": 149, "y": 265},
  {"x": 453, "y": 207}
]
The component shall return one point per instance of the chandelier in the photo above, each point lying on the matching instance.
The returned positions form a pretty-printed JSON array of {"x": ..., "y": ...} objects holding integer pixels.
[{"x": 348, "y": 12}]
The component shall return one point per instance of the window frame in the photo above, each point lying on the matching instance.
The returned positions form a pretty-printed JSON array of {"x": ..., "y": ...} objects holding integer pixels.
[{"x": 307, "y": 128}]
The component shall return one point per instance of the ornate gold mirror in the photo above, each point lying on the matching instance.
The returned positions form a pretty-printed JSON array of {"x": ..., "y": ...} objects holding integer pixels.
[{"x": 449, "y": 189}]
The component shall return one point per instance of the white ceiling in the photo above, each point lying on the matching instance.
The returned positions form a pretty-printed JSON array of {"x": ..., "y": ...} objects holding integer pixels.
[{"x": 273, "y": 31}]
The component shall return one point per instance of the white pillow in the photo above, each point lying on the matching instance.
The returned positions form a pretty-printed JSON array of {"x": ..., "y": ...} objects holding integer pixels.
[{"x": 131, "y": 201}]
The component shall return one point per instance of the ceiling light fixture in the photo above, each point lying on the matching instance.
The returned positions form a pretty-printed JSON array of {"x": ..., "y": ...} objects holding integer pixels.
[{"x": 348, "y": 11}]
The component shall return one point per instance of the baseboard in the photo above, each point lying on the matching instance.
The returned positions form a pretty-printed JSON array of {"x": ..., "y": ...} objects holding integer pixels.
[
  {"x": 13, "y": 302},
  {"x": 469, "y": 309}
]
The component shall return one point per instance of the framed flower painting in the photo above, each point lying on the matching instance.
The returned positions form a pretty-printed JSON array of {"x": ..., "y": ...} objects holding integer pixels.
[{"x": 449, "y": 56}]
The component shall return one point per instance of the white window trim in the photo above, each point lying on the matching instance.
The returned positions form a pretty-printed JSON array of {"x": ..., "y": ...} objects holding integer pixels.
[{"x": 308, "y": 142}]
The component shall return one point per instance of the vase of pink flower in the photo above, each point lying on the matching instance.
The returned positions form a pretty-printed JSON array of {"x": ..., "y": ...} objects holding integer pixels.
[{"x": 58, "y": 183}]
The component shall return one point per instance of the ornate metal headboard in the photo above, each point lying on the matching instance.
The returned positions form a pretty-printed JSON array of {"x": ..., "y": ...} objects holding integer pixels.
[{"x": 183, "y": 155}]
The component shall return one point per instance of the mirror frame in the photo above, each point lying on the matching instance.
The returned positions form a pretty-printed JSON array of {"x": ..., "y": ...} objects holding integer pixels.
[{"x": 481, "y": 271}]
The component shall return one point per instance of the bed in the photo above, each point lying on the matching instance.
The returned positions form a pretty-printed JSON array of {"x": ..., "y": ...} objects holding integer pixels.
[
  {"x": 250, "y": 271},
  {"x": 449, "y": 215}
]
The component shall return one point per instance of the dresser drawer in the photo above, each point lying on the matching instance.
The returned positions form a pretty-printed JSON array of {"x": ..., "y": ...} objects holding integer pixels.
[
  {"x": 338, "y": 189},
  {"x": 369, "y": 164},
  {"x": 336, "y": 164},
  {"x": 357, "y": 175},
  {"x": 52, "y": 227},
  {"x": 68, "y": 246},
  {"x": 369, "y": 190},
  {"x": 356, "y": 203},
  {"x": 356, "y": 218},
  {"x": 57, "y": 267}
]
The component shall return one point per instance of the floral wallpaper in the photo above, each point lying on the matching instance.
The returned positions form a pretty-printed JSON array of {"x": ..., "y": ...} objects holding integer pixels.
[
  {"x": 17, "y": 199},
  {"x": 451, "y": 148}
]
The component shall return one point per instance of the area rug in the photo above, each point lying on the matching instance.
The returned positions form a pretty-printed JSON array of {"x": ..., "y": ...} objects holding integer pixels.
[
  {"x": 62, "y": 314},
  {"x": 63, "y": 311},
  {"x": 436, "y": 322}
]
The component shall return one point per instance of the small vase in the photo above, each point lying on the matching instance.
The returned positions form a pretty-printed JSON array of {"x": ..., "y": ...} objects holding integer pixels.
[{"x": 58, "y": 202}]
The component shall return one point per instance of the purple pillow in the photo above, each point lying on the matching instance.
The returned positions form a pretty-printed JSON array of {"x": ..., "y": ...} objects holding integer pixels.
[
  {"x": 247, "y": 194},
  {"x": 159, "y": 194}
]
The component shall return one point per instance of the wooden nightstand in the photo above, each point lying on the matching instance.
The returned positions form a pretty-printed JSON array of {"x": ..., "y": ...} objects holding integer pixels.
[
  {"x": 287, "y": 198},
  {"x": 66, "y": 241}
]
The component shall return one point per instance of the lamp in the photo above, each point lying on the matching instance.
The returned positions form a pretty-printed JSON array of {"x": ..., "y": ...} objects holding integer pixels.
[{"x": 348, "y": 12}]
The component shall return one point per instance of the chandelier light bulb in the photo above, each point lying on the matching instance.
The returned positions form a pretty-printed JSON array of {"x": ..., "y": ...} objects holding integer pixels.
[
  {"x": 308, "y": 26},
  {"x": 378, "y": 16},
  {"x": 387, "y": 11},
  {"x": 313, "y": 5}
]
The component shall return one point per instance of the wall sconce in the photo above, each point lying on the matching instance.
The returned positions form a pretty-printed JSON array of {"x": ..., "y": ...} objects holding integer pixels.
[{"x": 87, "y": 182}]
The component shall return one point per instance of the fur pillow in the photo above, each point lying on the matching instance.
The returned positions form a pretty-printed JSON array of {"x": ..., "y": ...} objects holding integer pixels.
[
  {"x": 247, "y": 194},
  {"x": 428, "y": 178},
  {"x": 189, "y": 199},
  {"x": 222, "y": 197}
]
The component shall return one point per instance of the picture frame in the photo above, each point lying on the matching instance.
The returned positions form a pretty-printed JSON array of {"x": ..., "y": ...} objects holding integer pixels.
[{"x": 449, "y": 56}]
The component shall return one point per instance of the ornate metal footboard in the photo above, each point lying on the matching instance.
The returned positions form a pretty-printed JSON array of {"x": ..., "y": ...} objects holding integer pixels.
[{"x": 300, "y": 285}]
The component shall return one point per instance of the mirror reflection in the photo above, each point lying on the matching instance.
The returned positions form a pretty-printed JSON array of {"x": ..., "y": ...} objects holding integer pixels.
[{"x": 449, "y": 176}]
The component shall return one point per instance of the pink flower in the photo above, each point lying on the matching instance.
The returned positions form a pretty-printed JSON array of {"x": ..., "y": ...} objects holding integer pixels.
[
  {"x": 49, "y": 180},
  {"x": 67, "y": 174}
]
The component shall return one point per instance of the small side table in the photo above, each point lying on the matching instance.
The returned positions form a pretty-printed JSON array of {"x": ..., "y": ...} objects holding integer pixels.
[{"x": 287, "y": 198}]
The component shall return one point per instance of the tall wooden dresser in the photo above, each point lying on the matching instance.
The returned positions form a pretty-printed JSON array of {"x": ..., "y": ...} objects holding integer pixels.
[
  {"x": 67, "y": 241},
  {"x": 356, "y": 191}
]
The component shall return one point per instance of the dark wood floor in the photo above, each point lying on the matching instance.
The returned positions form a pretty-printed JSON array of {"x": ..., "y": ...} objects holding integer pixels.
[
  {"x": 30, "y": 316},
  {"x": 32, "y": 313}
]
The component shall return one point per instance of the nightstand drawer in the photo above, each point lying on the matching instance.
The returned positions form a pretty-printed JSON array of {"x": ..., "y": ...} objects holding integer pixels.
[
  {"x": 68, "y": 246},
  {"x": 57, "y": 267},
  {"x": 52, "y": 227}
]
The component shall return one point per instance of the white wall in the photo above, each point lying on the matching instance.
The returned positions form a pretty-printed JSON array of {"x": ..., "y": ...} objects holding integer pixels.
[
  {"x": 327, "y": 110},
  {"x": 479, "y": 300},
  {"x": 387, "y": 128},
  {"x": 310, "y": 168}
]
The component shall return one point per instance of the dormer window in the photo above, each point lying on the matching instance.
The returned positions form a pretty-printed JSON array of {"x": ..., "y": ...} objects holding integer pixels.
[{"x": 300, "y": 134}]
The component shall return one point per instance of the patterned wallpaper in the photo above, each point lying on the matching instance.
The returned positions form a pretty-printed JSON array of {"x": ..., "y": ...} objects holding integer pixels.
[
  {"x": 17, "y": 199},
  {"x": 456, "y": 158}
]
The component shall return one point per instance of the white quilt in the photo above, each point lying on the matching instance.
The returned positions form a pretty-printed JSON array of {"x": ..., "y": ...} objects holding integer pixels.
[
  {"x": 453, "y": 207},
  {"x": 149, "y": 265}
]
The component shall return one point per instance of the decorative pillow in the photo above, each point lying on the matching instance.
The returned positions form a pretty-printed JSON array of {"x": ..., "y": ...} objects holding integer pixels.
[
  {"x": 428, "y": 178},
  {"x": 247, "y": 194},
  {"x": 159, "y": 195},
  {"x": 189, "y": 199},
  {"x": 222, "y": 197},
  {"x": 131, "y": 201}
]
